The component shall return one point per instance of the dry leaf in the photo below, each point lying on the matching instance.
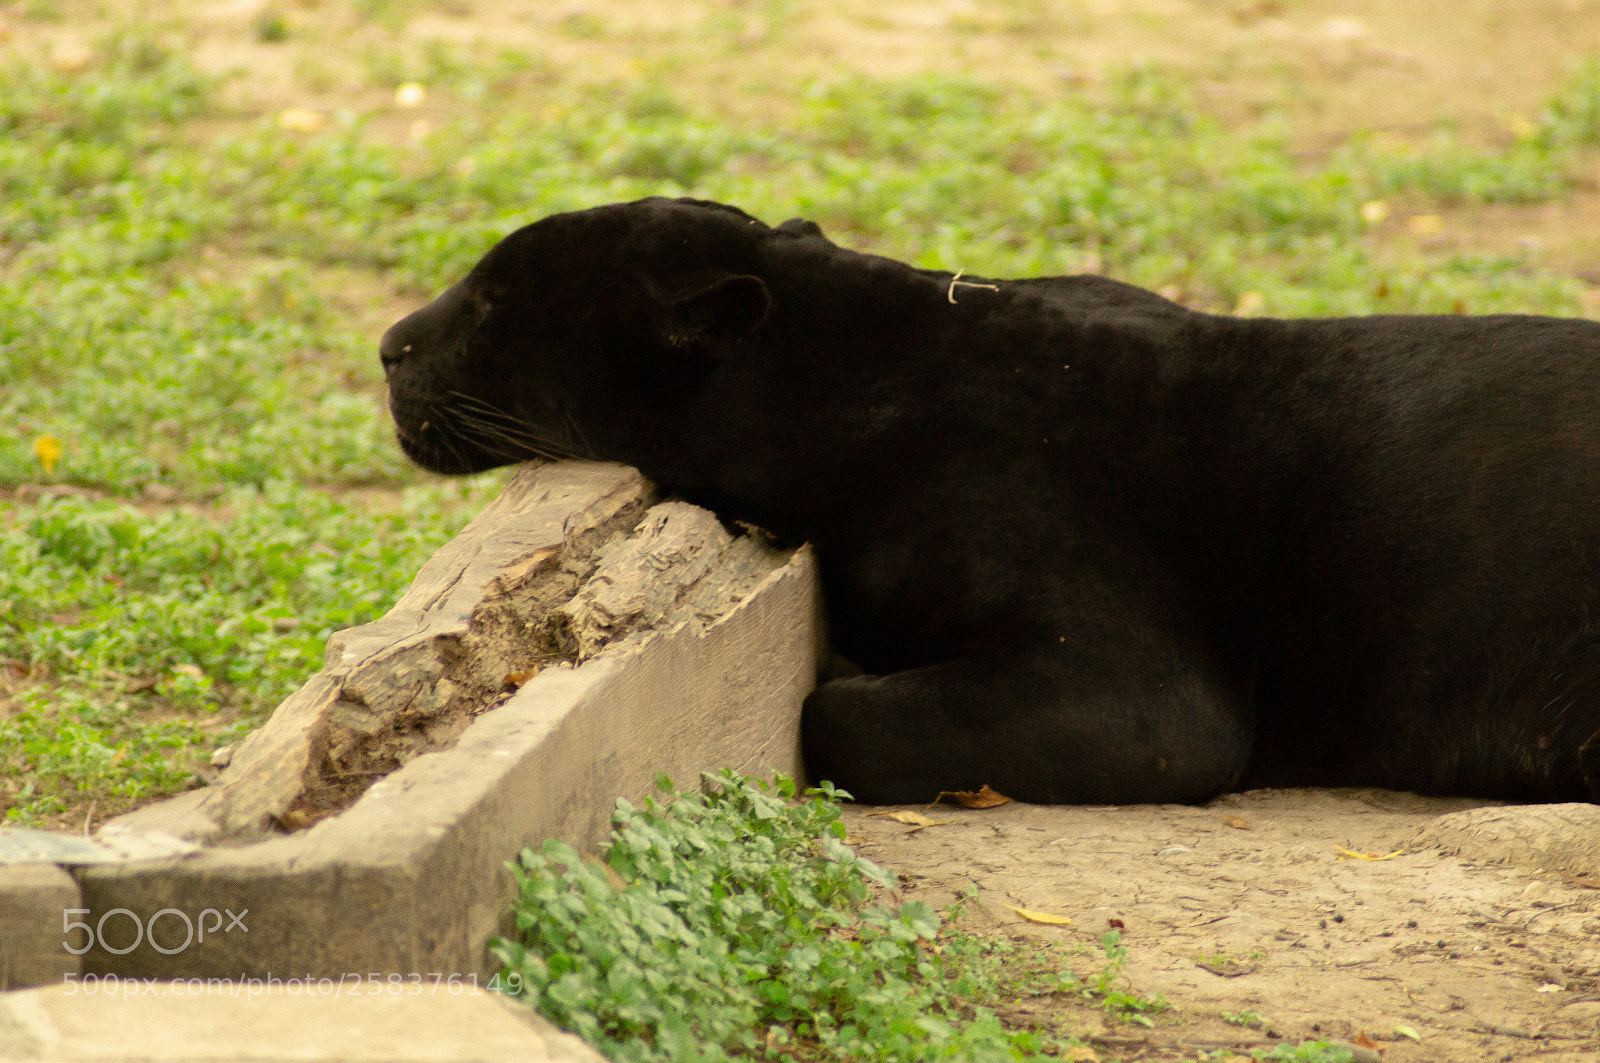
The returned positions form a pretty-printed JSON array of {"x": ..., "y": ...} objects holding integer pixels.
[
  {"x": 71, "y": 58},
  {"x": 1343, "y": 29},
  {"x": 983, "y": 797},
  {"x": 1521, "y": 127},
  {"x": 1374, "y": 211},
  {"x": 1425, "y": 225},
  {"x": 1047, "y": 918},
  {"x": 911, "y": 819},
  {"x": 1364, "y": 1041},
  {"x": 1080, "y": 1054},
  {"x": 1346, "y": 854},
  {"x": 300, "y": 120},
  {"x": 48, "y": 450},
  {"x": 514, "y": 680},
  {"x": 1236, "y": 822}
]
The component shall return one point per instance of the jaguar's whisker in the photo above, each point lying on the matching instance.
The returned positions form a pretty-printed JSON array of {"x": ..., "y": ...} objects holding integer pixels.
[
  {"x": 577, "y": 430},
  {"x": 488, "y": 415},
  {"x": 480, "y": 405},
  {"x": 527, "y": 441},
  {"x": 500, "y": 441},
  {"x": 444, "y": 430}
]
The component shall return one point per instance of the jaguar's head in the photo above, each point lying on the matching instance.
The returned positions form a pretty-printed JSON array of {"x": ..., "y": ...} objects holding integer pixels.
[{"x": 575, "y": 335}]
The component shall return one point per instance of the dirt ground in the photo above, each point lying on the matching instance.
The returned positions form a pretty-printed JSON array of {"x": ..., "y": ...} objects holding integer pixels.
[{"x": 1247, "y": 906}]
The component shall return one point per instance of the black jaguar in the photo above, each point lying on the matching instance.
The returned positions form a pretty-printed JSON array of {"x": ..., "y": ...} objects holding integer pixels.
[{"x": 1084, "y": 544}]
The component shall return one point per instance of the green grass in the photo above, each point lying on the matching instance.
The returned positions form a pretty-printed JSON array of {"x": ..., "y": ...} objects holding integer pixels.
[
  {"x": 735, "y": 923},
  {"x": 176, "y": 314},
  {"x": 169, "y": 632}
]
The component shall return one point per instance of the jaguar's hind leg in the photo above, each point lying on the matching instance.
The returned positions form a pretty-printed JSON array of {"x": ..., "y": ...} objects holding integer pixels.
[{"x": 1049, "y": 727}]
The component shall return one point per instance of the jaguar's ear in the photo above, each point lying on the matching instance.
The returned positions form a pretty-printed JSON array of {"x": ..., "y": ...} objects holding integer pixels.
[
  {"x": 801, "y": 227},
  {"x": 709, "y": 319}
]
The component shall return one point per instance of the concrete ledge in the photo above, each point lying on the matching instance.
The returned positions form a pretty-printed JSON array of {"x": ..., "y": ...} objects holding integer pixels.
[
  {"x": 33, "y": 898},
  {"x": 101, "y": 1022}
]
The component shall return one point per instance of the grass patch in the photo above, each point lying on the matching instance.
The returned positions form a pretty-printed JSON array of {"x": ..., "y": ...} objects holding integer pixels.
[{"x": 136, "y": 642}]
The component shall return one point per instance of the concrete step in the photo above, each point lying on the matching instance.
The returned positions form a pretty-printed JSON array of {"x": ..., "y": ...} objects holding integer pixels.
[
  {"x": 33, "y": 898},
  {"x": 101, "y": 1020}
]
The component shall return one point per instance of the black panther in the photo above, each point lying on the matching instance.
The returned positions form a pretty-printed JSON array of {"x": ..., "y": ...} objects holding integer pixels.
[{"x": 1082, "y": 543}]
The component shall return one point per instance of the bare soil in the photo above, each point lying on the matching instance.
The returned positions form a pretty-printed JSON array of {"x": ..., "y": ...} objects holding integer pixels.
[{"x": 1248, "y": 905}]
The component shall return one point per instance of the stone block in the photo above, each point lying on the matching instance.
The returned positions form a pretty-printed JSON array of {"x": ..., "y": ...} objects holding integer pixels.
[
  {"x": 111, "y": 1020},
  {"x": 33, "y": 898}
]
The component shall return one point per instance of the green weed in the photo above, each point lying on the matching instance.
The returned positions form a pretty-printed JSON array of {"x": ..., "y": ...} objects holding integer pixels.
[
  {"x": 140, "y": 641},
  {"x": 735, "y": 923},
  {"x": 1307, "y": 1052},
  {"x": 1104, "y": 988}
]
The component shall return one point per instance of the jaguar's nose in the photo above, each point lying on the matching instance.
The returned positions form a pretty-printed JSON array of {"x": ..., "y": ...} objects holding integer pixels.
[{"x": 393, "y": 348}]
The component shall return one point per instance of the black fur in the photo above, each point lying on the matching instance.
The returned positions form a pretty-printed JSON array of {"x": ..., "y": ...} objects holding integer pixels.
[{"x": 1086, "y": 545}]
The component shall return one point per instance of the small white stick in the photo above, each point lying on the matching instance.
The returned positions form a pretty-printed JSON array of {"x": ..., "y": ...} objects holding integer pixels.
[{"x": 951, "y": 294}]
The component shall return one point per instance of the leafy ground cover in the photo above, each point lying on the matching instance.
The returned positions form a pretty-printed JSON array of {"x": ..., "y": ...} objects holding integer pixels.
[
  {"x": 201, "y": 480},
  {"x": 736, "y": 923}
]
